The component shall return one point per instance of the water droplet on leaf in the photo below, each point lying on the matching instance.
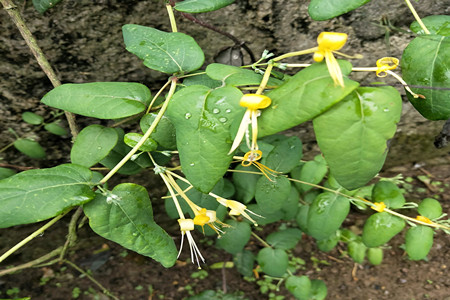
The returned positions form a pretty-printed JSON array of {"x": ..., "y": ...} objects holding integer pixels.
[
  {"x": 216, "y": 110},
  {"x": 187, "y": 116},
  {"x": 223, "y": 120}
]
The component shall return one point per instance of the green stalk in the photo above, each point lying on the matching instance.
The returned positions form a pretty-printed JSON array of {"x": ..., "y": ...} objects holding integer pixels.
[{"x": 416, "y": 16}]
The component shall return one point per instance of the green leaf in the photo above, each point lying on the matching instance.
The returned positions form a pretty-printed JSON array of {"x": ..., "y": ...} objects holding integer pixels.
[
  {"x": 302, "y": 217},
  {"x": 353, "y": 134},
  {"x": 164, "y": 133},
  {"x": 380, "y": 228},
  {"x": 235, "y": 237},
  {"x": 244, "y": 262},
  {"x": 167, "y": 52},
  {"x": 128, "y": 221},
  {"x": 272, "y": 195},
  {"x": 426, "y": 62},
  {"x": 32, "y": 118},
  {"x": 133, "y": 138},
  {"x": 329, "y": 243},
  {"x": 273, "y": 262},
  {"x": 118, "y": 152},
  {"x": 285, "y": 156},
  {"x": 438, "y": 24},
  {"x": 418, "y": 241},
  {"x": 326, "y": 214},
  {"x": 284, "y": 239},
  {"x": 245, "y": 183},
  {"x": 321, "y": 10},
  {"x": 312, "y": 171},
  {"x": 237, "y": 76},
  {"x": 36, "y": 195},
  {"x": 200, "y": 6},
  {"x": 201, "y": 79},
  {"x": 102, "y": 100},
  {"x": 375, "y": 256},
  {"x": 430, "y": 208},
  {"x": 202, "y": 119},
  {"x": 357, "y": 251},
  {"x": 318, "y": 289},
  {"x": 42, "y": 5},
  {"x": 299, "y": 286},
  {"x": 30, "y": 148},
  {"x": 93, "y": 144},
  {"x": 5, "y": 173},
  {"x": 304, "y": 96},
  {"x": 55, "y": 128},
  {"x": 389, "y": 193},
  {"x": 290, "y": 207},
  {"x": 266, "y": 217}
]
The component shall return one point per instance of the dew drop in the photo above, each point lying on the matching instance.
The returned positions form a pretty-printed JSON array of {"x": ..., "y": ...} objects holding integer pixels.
[
  {"x": 99, "y": 148},
  {"x": 216, "y": 110},
  {"x": 187, "y": 116},
  {"x": 135, "y": 234},
  {"x": 223, "y": 120},
  {"x": 228, "y": 110},
  {"x": 192, "y": 164},
  {"x": 386, "y": 109}
]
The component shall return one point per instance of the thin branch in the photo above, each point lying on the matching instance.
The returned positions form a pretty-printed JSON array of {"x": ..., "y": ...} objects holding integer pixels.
[
  {"x": 14, "y": 13},
  {"x": 33, "y": 263}
]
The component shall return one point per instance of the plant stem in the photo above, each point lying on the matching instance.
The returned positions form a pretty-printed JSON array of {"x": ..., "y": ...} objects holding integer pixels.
[
  {"x": 31, "y": 236},
  {"x": 146, "y": 135},
  {"x": 72, "y": 235},
  {"x": 104, "y": 290},
  {"x": 33, "y": 263},
  {"x": 297, "y": 53},
  {"x": 265, "y": 79},
  {"x": 416, "y": 16},
  {"x": 173, "y": 23},
  {"x": 38, "y": 54}
]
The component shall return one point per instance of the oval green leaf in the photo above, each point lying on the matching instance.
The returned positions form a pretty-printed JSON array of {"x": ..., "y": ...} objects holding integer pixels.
[
  {"x": 285, "y": 156},
  {"x": 93, "y": 144},
  {"x": 380, "y": 228},
  {"x": 201, "y": 6},
  {"x": 426, "y": 62},
  {"x": 304, "y": 96},
  {"x": 312, "y": 172},
  {"x": 375, "y": 256},
  {"x": 357, "y": 251},
  {"x": 236, "y": 76},
  {"x": 418, "y": 241},
  {"x": 272, "y": 195},
  {"x": 42, "y": 5},
  {"x": 131, "y": 139},
  {"x": 55, "y": 128},
  {"x": 318, "y": 289},
  {"x": 32, "y": 118},
  {"x": 167, "y": 52},
  {"x": 389, "y": 193},
  {"x": 273, "y": 262},
  {"x": 244, "y": 262},
  {"x": 326, "y": 214},
  {"x": 430, "y": 208},
  {"x": 102, "y": 100},
  {"x": 329, "y": 243},
  {"x": 36, "y": 195},
  {"x": 128, "y": 221},
  {"x": 30, "y": 148},
  {"x": 299, "y": 286},
  {"x": 235, "y": 237},
  {"x": 353, "y": 134},
  {"x": 202, "y": 118},
  {"x": 321, "y": 10},
  {"x": 284, "y": 239}
]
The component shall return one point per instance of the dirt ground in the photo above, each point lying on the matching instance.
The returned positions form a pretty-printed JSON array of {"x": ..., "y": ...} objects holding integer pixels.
[{"x": 83, "y": 42}]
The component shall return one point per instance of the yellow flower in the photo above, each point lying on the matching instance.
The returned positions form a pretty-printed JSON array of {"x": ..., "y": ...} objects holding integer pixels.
[
  {"x": 386, "y": 64},
  {"x": 379, "y": 206},
  {"x": 424, "y": 219},
  {"x": 237, "y": 208},
  {"x": 252, "y": 157},
  {"x": 186, "y": 226},
  {"x": 329, "y": 42},
  {"x": 254, "y": 103}
]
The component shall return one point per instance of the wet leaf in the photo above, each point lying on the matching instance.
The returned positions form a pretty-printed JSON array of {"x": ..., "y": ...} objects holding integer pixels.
[
  {"x": 353, "y": 134},
  {"x": 380, "y": 228},
  {"x": 438, "y": 24},
  {"x": 102, "y": 100},
  {"x": 272, "y": 195},
  {"x": 133, "y": 138},
  {"x": 128, "y": 221},
  {"x": 167, "y": 52},
  {"x": 36, "y": 195}
]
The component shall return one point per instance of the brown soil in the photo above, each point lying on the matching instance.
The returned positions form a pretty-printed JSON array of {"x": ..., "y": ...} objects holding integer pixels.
[{"x": 83, "y": 42}]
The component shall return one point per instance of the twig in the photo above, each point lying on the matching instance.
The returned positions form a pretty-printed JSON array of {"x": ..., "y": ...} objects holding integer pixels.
[
  {"x": 20, "y": 168},
  {"x": 215, "y": 29},
  {"x": 14, "y": 13},
  {"x": 34, "y": 263},
  {"x": 72, "y": 235},
  {"x": 104, "y": 290}
]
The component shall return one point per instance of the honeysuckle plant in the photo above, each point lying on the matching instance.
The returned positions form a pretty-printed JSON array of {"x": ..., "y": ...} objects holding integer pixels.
[{"x": 212, "y": 134}]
